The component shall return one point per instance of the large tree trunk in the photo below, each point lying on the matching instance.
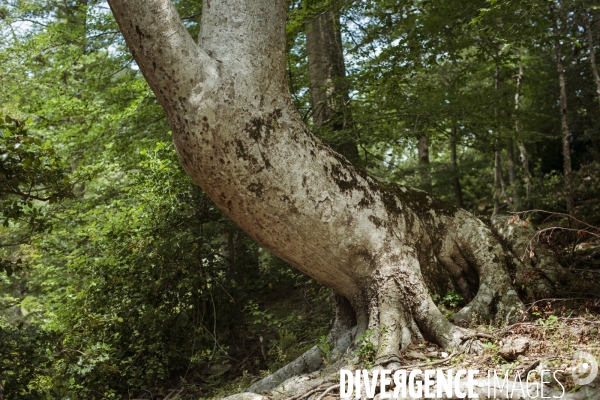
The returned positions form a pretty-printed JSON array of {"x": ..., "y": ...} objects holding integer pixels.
[
  {"x": 328, "y": 87},
  {"x": 381, "y": 247}
]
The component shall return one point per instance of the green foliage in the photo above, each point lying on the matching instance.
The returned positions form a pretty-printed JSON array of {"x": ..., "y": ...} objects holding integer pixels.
[
  {"x": 452, "y": 299},
  {"x": 366, "y": 351},
  {"x": 142, "y": 306},
  {"x": 549, "y": 323},
  {"x": 325, "y": 346},
  {"x": 25, "y": 354},
  {"x": 31, "y": 174},
  {"x": 10, "y": 266}
]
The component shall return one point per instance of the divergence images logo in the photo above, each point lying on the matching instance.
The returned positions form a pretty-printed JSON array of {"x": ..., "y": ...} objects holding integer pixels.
[{"x": 586, "y": 368}]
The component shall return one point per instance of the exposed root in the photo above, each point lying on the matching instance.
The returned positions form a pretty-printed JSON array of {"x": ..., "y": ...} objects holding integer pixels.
[
  {"x": 327, "y": 388},
  {"x": 537, "y": 271},
  {"x": 310, "y": 361},
  {"x": 491, "y": 302},
  {"x": 341, "y": 336},
  {"x": 398, "y": 308}
]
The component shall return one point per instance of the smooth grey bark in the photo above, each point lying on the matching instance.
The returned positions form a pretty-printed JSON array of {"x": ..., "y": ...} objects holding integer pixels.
[
  {"x": 381, "y": 247},
  {"x": 590, "y": 40},
  {"x": 328, "y": 87},
  {"x": 566, "y": 136},
  {"x": 424, "y": 165}
]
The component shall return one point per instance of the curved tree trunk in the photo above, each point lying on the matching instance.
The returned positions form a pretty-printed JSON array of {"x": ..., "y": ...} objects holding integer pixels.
[{"x": 382, "y": 248}]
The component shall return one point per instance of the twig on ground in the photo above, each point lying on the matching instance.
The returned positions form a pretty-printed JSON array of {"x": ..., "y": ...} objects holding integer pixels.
[
  {"x": 174, "y": 392},
  {"x": 553, "y": 299},
  {"x": 328, "y": 390},
  {"x": 479, "y": 335},
  {"x": 310, "y": 391},
  {"x": 587, "y": 321},
  {"x": 531, "y": 367}
]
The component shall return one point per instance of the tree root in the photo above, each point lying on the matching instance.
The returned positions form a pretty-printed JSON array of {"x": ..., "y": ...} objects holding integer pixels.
[
  {"x": 310, "y": 361},
  {"x": 482, "y": 387},
  {"x": 537, "y": 271},
  {"x": 398, "y": 309},
  {"x": 328, "y": 388}
]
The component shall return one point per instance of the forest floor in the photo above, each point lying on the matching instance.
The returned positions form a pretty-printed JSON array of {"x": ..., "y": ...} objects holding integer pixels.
[
  {"x": 553, "y": 340},
  {"x": 551, "y": 332}
]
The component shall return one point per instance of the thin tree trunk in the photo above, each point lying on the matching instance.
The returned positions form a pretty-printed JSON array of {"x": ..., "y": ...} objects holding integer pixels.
[
  {"x": 590, "y": 40},
  {"x": 424, "y": 166},
  {"x": 328, "y": 86},
  {"x": 566, "y": 136},
  {"x": 499, "y": 187},
  {"x": 505, "y": 197},
  {"x": 525, "y": 163},
  {"x": 228, "y": 251},
  {"x": 496, "y": 195},
  {"x": 458, "y": 198},
  {"x": 522, "y": 150},
  {"x": 512, "y": 175},
  {"x": 498, "y": 178}
]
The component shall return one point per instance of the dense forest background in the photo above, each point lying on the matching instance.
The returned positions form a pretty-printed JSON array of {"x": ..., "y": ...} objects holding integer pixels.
[{"x": 119, "y": 277}]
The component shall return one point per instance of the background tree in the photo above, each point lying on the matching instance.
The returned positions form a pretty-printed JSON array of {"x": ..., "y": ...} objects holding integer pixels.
[{"x": 328, "y": 84}]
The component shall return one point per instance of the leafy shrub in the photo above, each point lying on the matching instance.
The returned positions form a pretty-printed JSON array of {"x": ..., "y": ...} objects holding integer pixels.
[
  {"x": 366, "y": 350},
  {"x": 25, "y": 354}
]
